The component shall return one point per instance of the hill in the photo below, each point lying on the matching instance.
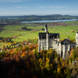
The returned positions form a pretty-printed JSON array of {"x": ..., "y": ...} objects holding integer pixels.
[{"x": 18, "y": 19}]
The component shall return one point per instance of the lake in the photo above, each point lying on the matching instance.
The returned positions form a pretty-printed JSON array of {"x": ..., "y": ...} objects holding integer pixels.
[{"x": 49, "y": 21}]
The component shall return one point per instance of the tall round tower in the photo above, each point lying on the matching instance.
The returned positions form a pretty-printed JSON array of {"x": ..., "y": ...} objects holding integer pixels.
[
  {"x": 47, "y": 37},
  {"x": 46, "y": 28},
  {"x": 77, "y": 39}
]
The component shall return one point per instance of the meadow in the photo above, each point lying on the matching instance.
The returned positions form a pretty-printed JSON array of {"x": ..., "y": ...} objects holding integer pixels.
[{"x": 66, "y": 31}]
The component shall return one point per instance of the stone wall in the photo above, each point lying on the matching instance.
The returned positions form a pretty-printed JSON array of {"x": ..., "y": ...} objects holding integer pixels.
[
  {"x": 50, "y": 45},
  {"x": 42, "y": 44},
  {"x": 59, "y": 49},
  {"x": 65, "y": 50},
  {"x": 47, "y": 42}
]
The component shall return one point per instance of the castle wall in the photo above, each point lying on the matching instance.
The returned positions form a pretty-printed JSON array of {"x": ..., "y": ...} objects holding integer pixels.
[
  {"x": 47, "y": 42},
  {"x": 50, "y": 41},
  {"x": 42, "y": 44},
  {"x": 65, "y": 50},
  {"x": 73, "y": 45},
  {"x": 59, "y": 49},
  {"x": 54, "y": 44}
]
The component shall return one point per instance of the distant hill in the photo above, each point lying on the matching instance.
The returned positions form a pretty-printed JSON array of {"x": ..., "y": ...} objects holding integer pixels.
[
  {"x": 43, "y": 17},
  {"x": 17, "y": 19}
]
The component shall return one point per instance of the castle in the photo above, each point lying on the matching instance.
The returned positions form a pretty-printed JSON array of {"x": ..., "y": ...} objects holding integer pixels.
[{"x": 48, "y": 40}]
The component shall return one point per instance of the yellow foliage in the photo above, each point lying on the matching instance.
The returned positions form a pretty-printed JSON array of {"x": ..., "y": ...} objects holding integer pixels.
[
  {"x": 34, "y": 51},
  {"x": 50, "y": 51},
  {"x": 47, "y": 60},
  {"x": 47, "y": 63},
  {"x": 13, "y": 51},
  {"x": 71, "y": 53},
  {"x": 63, "y": 63},
  {"x": 23, "y": 54},
  {"x": 8, "y": 43},
  {"x": 40, "y": 60},
  {"x": 58, "y": 69}
]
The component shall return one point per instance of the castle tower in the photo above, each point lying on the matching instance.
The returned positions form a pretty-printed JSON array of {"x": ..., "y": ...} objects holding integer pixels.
[
  {"x": 77, "y": 39},
  {"x": 46, "y": 28},
  {"x": 47, "y": 41},
  {"x": 47, "y": 37}
]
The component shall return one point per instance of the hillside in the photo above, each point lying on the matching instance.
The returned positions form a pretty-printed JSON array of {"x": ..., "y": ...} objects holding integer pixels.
[{"x": 18, "y": 19}]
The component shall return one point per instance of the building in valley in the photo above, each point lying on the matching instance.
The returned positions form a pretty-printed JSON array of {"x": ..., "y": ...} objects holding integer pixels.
[{"x": 48, "y": 40}]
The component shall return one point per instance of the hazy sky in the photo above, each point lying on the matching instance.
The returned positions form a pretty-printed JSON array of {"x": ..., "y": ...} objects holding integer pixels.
[{"x": 38, "y": 7}]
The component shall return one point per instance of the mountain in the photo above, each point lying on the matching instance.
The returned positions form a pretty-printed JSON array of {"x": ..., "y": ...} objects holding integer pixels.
[
  {"x": 38, "y": 17},
  {"x": 17, "y": 19}
]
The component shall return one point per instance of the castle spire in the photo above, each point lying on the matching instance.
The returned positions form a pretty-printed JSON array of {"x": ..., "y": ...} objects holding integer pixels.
[{"x": 46, "y": 28}]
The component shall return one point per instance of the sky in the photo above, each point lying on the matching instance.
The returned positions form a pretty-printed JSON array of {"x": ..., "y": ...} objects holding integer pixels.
[{"x": 38, "y": 7}]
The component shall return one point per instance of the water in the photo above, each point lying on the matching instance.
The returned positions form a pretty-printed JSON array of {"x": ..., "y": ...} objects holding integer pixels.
[{"x": 49, "y": 21}]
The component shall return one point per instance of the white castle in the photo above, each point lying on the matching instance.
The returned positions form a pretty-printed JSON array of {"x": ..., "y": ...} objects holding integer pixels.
[{"x": 52, "y": 40}]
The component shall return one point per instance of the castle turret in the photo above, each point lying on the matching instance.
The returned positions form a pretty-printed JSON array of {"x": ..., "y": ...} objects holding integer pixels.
[
  {"x": 47, "y": 37},
  {"x": 77, "y": 39},
  {"x": 46, "y": 28}
]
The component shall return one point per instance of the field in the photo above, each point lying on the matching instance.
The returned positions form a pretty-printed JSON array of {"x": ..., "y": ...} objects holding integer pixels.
[{"x": 19, "y": 33}]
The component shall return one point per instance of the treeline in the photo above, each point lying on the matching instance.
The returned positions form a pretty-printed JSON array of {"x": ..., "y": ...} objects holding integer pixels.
[{"x": 6, "y": 21}]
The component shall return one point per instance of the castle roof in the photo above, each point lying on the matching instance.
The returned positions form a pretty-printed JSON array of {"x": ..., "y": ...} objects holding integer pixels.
[
  {"x": 66, "y": 41},
  {"x": 53, "y": 35},
  {"x": 42, "y": 35}
]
